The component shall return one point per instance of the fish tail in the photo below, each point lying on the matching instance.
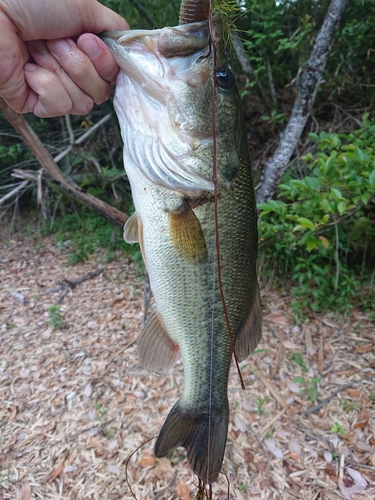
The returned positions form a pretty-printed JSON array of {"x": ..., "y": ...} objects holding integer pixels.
[{"x": 203, "y": 436}]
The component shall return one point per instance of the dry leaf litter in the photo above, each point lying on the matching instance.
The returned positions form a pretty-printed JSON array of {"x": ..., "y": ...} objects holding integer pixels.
[{"x": 75, "y": 403}]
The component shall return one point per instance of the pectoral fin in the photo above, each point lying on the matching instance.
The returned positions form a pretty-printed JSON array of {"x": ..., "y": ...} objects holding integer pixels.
[
  {"x": 157, "y": 351},
  {"x": 131, "y": 229},
  {"x": 133, "y": 233},
  {"x": 248, "y": 336},
  {"x": 186, "y": 234}
]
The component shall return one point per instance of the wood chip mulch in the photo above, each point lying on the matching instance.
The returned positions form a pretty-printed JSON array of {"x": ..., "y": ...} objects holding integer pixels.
[{"x": 75, "y": 403}]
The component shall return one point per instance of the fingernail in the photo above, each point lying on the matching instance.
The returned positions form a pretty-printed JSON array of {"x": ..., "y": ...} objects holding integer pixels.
[
  {"x": 39, "y": 46},
  {"x": 30, "y": 67},
  {"x": 59, "y": 47},
  {"x": 91, "y": 47}
]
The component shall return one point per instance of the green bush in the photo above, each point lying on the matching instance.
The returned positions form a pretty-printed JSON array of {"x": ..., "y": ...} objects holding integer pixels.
[{"x": 320, "y": 231}]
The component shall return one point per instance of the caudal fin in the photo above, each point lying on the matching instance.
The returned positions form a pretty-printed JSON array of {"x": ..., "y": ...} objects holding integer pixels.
[{"x": 203, "y": 436}]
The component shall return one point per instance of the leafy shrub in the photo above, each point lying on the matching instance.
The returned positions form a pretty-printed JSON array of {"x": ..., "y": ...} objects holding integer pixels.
[{"x": 320, "y": 231}]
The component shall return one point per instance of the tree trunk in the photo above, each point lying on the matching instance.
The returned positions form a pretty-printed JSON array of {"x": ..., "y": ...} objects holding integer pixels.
[
  {"x": 308, "y": 81},
  {"x": 57, "y": 179}
]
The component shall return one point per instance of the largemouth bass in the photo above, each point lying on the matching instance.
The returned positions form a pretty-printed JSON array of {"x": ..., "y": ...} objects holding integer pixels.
[{"x": 163, "y": 100}]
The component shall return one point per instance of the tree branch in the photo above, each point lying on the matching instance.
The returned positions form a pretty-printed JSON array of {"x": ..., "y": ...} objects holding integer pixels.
[
  {"x": 244, "y": 61},
  {"x": 57, "y": 179},
  {"x": 308, "y": 81},
  {"x": 14, "y": 191}
]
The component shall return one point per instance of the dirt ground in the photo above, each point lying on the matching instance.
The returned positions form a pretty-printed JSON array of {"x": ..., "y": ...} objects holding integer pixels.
[{"x": 75, "y": 403}]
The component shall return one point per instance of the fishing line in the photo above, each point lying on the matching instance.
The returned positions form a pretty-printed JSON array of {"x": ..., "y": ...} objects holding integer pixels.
[
  {"x": 214, "y": 179},
  {"x": 127, "y": 463}
]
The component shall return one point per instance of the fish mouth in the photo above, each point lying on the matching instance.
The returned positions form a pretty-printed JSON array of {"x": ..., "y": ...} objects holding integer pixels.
[{"x": 154, "y": 58}]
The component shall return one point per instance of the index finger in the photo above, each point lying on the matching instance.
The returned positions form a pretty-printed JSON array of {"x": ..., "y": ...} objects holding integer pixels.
[{"x": 99, "y": 54}]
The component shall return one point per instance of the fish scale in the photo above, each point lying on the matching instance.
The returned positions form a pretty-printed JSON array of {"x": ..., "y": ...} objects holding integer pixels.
[{"x": 164, "y": 104}]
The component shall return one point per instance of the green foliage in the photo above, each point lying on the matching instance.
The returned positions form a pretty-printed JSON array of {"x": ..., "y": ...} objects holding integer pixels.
[
  {"x": 274, "y": 117},
  {"x": 279, "y": 36},
  {"x": 297, "y": 358},
  {"x": 310, "y": 387},
  {"x": 99, "y": 410},
  {"x": 320, "y": 231},
  {"x": 348, "y": 405},
  {"x": 84, "y": 233},
  {"x": 338, "y": 429},
  {"x": 162, "y": 13},
  {"x": 260, "y": 403},
  {"x": 55, "y": 318}
]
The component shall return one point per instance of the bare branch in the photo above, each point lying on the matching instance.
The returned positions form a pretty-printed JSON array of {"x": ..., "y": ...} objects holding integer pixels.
[
  {"x": 14, "y": 191},
  {"x": 271, "y": 82},
  {"x": 56, "y": 178},
  {"x": 308, "y": 80},
  {"x": 83, "y": 137},
  {"x": 68, "y": 124},
  {"x": 244, "y": 61}
]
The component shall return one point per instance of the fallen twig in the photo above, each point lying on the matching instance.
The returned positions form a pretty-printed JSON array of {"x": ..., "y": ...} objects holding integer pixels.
[
  {"x": 89, "y": 276},
  {"x": 357, "y": 465},
  {"x": 279, "y": 357},
  {"x": 67, "y": 285},
  {"x": 327, "y": 400}
]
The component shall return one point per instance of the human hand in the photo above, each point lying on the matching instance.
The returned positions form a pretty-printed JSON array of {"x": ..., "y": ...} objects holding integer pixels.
[{"x": 63, "y": 76}]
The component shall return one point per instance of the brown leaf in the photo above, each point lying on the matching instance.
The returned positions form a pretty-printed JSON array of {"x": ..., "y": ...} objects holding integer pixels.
[
  {"x": 72, "y": 455},
  {"x": 362, "y": 419},
  {"x": 13, "y": 413},
  {"x": 95, "y": 443},
  {"x": 54, "y": 473},
  {"x": 119, "y": 398},
  {"x": 110, "y": 318},
  {"x": 331, "y": 471},
  {"x": 146, "y": 461},
  {"x": 183, "y": 491},
  {"x": 364, "y": 348},
  {"x": 261, "y": 466},
  {"x": 25, "y": 492},
  {"x": 279, "y": 319},
  {"x": 355, "y": 393}
]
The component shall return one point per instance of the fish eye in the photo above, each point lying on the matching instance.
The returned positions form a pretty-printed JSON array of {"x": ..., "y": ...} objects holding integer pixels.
[{"x": 224, "y": 78}]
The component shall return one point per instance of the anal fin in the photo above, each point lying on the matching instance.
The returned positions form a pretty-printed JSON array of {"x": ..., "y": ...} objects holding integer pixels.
[
  {"x": 157, "y": 351},
  {"x": 249, "y": 335}
]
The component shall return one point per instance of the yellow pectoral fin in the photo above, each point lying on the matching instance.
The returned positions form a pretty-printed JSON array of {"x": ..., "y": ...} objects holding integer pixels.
[{"x": 186, "y": 234}]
